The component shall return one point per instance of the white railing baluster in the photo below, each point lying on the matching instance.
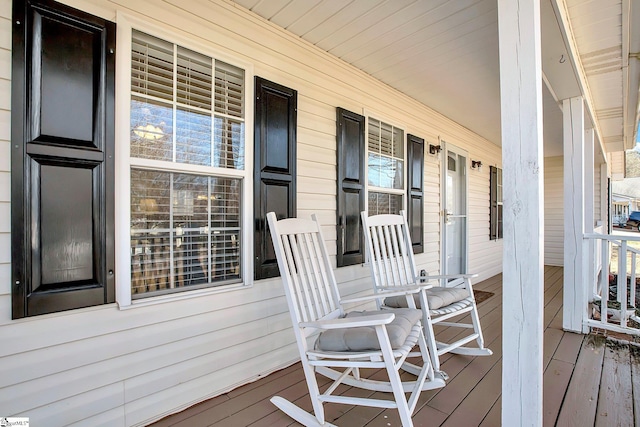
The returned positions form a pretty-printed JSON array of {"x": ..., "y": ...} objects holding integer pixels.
[
  {"x": 626, "y": 297},
  {"x": 622, "y": 283},
  {"x": 604, "y": 277},
  {"x": 597, "y": 255},
  {"x": 605, "y": 297},
  {"x": 632, "y": 296}
]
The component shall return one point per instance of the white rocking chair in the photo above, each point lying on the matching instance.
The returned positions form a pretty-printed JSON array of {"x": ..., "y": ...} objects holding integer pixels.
[
  {"x": 393, "y": 267},
  {"x": 347, "y": 341}
]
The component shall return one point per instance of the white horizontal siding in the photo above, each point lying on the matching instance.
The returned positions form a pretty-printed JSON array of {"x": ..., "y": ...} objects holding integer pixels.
[
  {"x": 429, "y": 260},
  {"x": 106, "y": 366},
  {"x": 485, "y": 255},
  {"x": 5, "y": 57},
  {"x": 617, "y": 164},
  {"x": 553, "y": 211},
  {"x": 113, "y": 417},
  {"x": 5, "y": 24},
  {"x": 5, "y": 125}
]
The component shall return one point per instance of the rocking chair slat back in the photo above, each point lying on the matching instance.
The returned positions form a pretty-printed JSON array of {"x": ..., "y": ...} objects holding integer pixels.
[
  {"x": 311, "y": 284},
  {"x": 391, "y": 262}
]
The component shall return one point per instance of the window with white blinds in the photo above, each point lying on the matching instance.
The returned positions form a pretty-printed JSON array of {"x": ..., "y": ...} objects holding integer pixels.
[
  {"x": 187, "y": 144},
  {"x": 385, "y": 167}
]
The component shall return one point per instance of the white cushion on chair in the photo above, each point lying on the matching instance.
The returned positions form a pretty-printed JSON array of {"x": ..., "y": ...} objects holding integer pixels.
[
  {"x": 436, "y": 297},
  {"x": 365, "y": 338}
]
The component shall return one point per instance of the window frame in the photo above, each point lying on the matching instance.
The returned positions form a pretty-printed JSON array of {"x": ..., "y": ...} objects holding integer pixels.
[
  {"x": 124, "y": 163},
  {"x": 368, "y": 115}
]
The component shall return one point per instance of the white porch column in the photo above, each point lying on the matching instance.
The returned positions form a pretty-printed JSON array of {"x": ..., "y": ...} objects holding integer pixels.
[
  {"x": 605, "y": 216},
  {"x": 589, "y": 206},
  {"x": 523, "y": 173},
  {"x": 604, "y": 197},
  {"x": 575, "y": 248},
  {"x": 589, "y": 183}
]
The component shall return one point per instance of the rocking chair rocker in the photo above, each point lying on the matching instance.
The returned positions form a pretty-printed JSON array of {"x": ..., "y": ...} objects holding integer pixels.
[
  {"x": 393, "y": 267},
  {"x": 346, "y": 341}
]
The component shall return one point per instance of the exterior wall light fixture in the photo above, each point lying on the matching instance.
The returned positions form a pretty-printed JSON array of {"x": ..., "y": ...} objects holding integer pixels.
[
  {"x": 434, "y": 149},
  {"x": 476, "y": 164}
]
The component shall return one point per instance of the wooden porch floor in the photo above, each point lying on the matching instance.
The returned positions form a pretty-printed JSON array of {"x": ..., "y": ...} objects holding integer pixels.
[{"x": 587, "y": 382}]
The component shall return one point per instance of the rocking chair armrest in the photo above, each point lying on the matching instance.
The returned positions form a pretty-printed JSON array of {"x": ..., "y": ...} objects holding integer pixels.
[
  {"x": 389, "y": 291},
  {"x": 351, "y": 322},
  {"x": 404, "y": 290},
  {"x": 448, "y": 276}
]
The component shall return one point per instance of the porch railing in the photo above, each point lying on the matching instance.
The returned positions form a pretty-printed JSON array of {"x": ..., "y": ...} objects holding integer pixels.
[{"x": 613, "y": 298}]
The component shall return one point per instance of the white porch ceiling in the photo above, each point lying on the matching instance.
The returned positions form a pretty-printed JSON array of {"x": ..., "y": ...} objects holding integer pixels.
[
  {"x": 606, "y": 32},
  {"x": 445, "y": 55}
]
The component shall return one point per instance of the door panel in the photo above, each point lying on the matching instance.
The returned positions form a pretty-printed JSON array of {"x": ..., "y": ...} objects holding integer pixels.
[
  {"x": 66, "y": 235},
  {"x": 69, "y": 55}
]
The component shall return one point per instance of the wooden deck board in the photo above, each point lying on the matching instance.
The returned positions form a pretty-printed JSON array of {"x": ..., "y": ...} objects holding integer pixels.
[
  {"x": 579, "y": 405},
  {"x": 572, "y": 382},
  {"x": 556, "y": 380},
  {"x": 478, "y": 403},
  {"x": 569, "y": 347},
  {"x": 426, "y": 416},
  {"x": 552, "y": 284},
  {"x": 256, "y": 410},
  {"x": 277, "y": 418},
  {"x": 553, "y": 298},
  {"x": 175, "y": 419},
  {"x": 491, "y": 324},
  {"x": 494, "y": 417},
  {"x": 275, "y": 376},
  {"x": 635, "y": 382},
  {"x": 552, "y": 339},
  {"x": 343, "y": 412},
  {"x": 489, "y": 311},
  {"x": 614, "y": 406},
  {"x": 245, "y": 401},
  {"x": 448, "y": 399}
]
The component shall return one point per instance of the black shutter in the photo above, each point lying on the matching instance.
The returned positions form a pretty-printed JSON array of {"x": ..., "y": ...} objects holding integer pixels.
[
  {"x": 495, "y": 213},
  {"x": 62, "y": 166},
  {"x": 415, "y": 191},
  {"x": 351, "y": 186},
  {"x": 493, "y": 203},
  {"x": 275, "y": 166}
]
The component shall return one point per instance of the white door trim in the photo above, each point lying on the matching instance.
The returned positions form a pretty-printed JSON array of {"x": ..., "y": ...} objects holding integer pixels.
[{"x": 446, "y": 147}]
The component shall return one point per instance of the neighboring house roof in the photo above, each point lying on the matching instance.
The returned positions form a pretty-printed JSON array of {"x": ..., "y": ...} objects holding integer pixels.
[
  {"x": 624, "y": 201},
  {"x": 629, "y": 187}
]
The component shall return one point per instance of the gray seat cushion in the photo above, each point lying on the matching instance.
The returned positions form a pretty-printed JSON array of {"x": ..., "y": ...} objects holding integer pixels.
[
  {"x": 364, "y": 338},
  {"x": 436, "y": 297}
]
